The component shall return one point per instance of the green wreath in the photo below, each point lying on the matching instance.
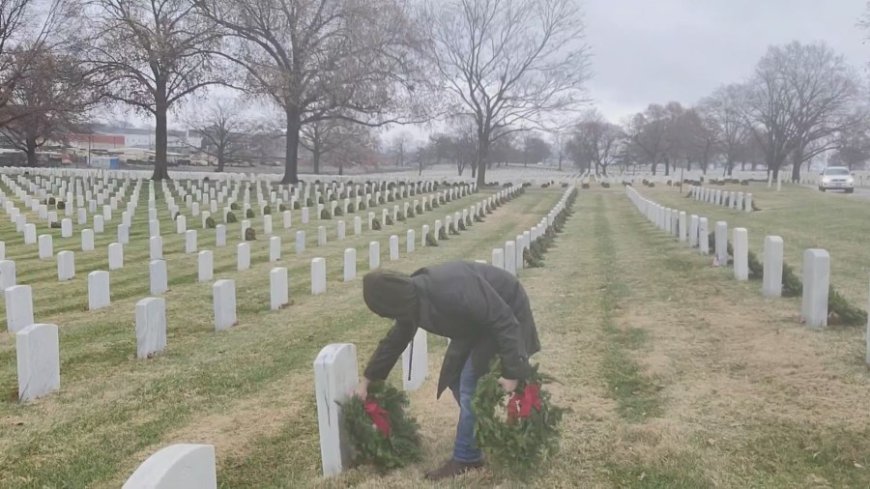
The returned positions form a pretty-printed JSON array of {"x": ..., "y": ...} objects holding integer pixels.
[
  {"x": 519, "y": 432},
  {"x": 380, "y": 432}
]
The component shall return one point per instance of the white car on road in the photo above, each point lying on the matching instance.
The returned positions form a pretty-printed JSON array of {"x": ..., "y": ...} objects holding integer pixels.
[{"x": 837, "y": 178}]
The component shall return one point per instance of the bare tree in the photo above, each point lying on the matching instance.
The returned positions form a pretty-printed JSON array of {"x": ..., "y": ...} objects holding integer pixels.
[
  {"x": 51, "y": 97},
  {"x": 798, "y": 99},
  {"x": 535, "y": 149},
  {"x": 399, "y": 146},
  {"x": 152, "y": 54},
  {"x": 595, "y": 142},
  {"x": 224, "y": 131},
  {"x": 327, "y": 139},
  {"x": 506, "y": 62},
  {"x": 25, "y": 30},
  {"x": 721, "y": 112},
  {"x": 320, "y": 59},
  {"x": 649, "y": 133}
]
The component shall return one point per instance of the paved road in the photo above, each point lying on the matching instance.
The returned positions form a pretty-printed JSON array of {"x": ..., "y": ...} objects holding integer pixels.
[{"x": 860, "y": 193}]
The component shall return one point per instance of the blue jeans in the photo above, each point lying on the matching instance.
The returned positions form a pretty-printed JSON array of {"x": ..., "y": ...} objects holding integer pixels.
[{"x": 465, "y": 447}]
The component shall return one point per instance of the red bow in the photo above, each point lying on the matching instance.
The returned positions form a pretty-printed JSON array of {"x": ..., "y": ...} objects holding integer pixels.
[
  {"x": 379, "y": 416},
  {"x": 520, "y": 405}
]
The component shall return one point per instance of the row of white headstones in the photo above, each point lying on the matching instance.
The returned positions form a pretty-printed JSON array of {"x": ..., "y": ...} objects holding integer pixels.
[
  {"x": 335, "y": 378},
  {"x": 66, "y": 259},
  {"x": 37, "y": 344},
  {"x": 694, "y": 230},
  {"x": 46, "y": 187},
  {"x": 733, "y": 200}
]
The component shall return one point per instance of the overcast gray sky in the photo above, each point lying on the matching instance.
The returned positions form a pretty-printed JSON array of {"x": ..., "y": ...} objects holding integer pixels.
[{"x": 648, "y": 51}]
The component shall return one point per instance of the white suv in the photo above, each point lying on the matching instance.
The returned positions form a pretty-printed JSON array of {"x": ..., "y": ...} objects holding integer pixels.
[{"x": 837, "y": 178}]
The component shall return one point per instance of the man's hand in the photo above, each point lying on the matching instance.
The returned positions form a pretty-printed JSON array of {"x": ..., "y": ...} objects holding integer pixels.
[
  {"x": 362, "y": 389},
  {"x": 507, "y": 384}
]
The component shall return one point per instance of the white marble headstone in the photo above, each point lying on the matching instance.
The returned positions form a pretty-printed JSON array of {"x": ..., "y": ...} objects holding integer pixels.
[{"x": 37, "y": 348}]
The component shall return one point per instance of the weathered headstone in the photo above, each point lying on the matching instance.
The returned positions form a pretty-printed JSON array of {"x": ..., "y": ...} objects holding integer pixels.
[
  {"x": 498, "y": 257},
  {"x": 46, "y": 247},
  {"x": 30, "y": 234},
  {"x": 116, "y": 256},
  {"x": 703, "y": 236},
  {"x": 410, "y": 241},
  {"x": 772, "y": 280},
  {"x": 155, "y": 247},
  {"x": 267, "y": 225},
  {"x": 510, "y": 257},
  {"x": 278, "y": 287},
  {"x": 150, "y": 326},
  {"x": 741, "y": 254},
  {"x": 394, "y": 248},
  {"x": 66, "y": 228},
  {"x": 7, "y": 275},
  {"x": 99, "y": 224},
  {"x": 87, "y": 240},
  {"x": 66, "y": 265},
  {"x": 722, "y": 243},
  {"x": 340, "y": 230},
  {"x": 349, "y": 264},
  {"x": 220, "y": 236},
  {"x": 224, "y": 301},
  {"x": 287, "y": 217},
  {"x": 181, "y": 466},
  {"x": 243, "y": 256},
  {"x": 321, "y": 235},
  {"x": 693, "y": 231},
  {"x": 98, "y": 290},
  {"x": 683, "y": 227},
  {"x": 205, "y": 266},
  {"x": 190, "y": 245},
  {"x": 37, "y": 348},
  {"x": 816, "y": 282},
  {"x": 300, "y": 242},
  {"x": 357, "y": 226},
  {"x": 374, "y": 255},
  {"x": 415, "y": 362},
  {"x": 159, "y": 277},
  {"x": 318, "y": 276},
  {"x": 19, "y": 307},
  {"x": 423, "y": 233},
  {"x": 274, "y": 248},
  {"x": 335, "y": 378}
]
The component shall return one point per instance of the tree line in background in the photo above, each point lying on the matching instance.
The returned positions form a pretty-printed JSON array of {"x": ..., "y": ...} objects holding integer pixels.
[
  {"x": 504, "y": 77},
  {"x": 331, "y": 67},
  {"x": 802, "y": 101}
]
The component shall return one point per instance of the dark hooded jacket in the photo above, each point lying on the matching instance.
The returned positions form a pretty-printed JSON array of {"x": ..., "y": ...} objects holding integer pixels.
[{"x": 482, "y": 309}]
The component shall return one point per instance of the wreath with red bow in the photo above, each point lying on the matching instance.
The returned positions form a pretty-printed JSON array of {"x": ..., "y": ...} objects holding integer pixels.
[
  {"x": 379, "y": 430},
  {"x": 517, "y": 431}
]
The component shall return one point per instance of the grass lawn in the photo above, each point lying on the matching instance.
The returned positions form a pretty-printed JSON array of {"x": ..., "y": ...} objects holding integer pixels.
[{"x": 677, "y": 376}]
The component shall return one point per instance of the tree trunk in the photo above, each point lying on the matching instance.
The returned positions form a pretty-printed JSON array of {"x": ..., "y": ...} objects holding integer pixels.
[
  {"x": 482, "y": 157},
  {"x": 315, "y": 159},
  {"x": 291, "y": 156},
  {"x": 667, "y": 167},
  {"x": 560, "y": 161},
  {"x": 30, "y": 152},
  {"x": 161, "y": 165},
  {"x": 797, "y": 161},
  {"x": 221, "y": 161},
  {"x": 340, "y": 168}
]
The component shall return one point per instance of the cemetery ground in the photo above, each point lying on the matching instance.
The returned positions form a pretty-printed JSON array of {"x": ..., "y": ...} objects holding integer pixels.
[{"x": 677, "y": 375}]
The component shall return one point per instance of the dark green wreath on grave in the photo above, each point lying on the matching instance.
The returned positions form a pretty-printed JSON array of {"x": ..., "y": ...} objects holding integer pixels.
[
  {"x": 517, "y": 432},
  {"x": 430, "y": 240},
  {"x": 376, "y": 225},
  {"x": 379, "y": 430},
  {"x": 442, "y": 234}
]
